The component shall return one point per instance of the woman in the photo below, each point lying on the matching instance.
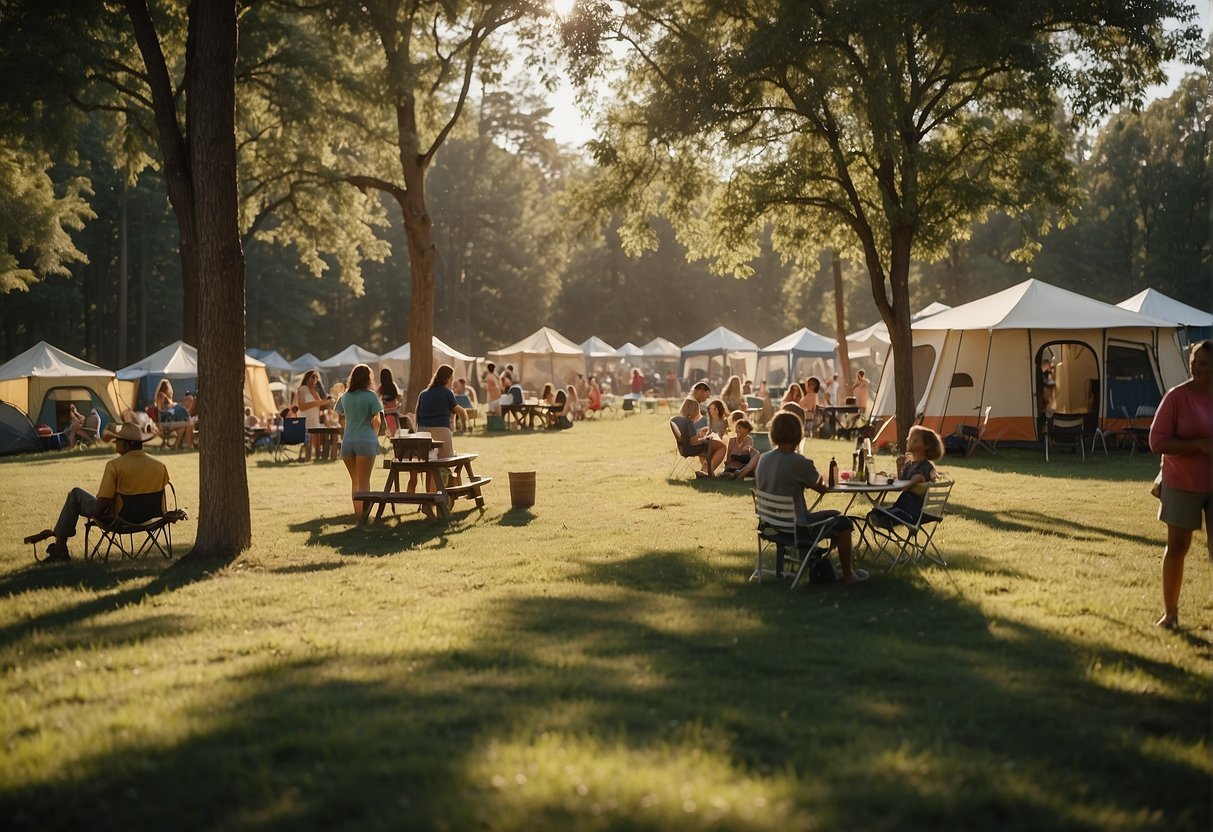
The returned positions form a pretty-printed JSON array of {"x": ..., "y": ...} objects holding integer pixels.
[
  {"x": 170, "y": 411},
  {"x": 435, "y": 407},
  {"x": 637, "y": 382},
  {"x": 75, "y": 425},
  {"x": 595, "y": 397},
  {"x": 389, "y": 394},
  {"x": 1182, "y": 432},
  {"x": 310, "y": 402},
  {"x": 860, "y": 390},
  {"x": 793, "y": 394},
  {"x": 359, "y": 410},
  {"x": 564, "y": 417},
  {"x": 694, "y": 442},
  {"x": 808, "y": 403},
  {"x": 492, "y": 389},
  {"x": 732, "y": 396},
  {"x": 548, "y": 396}
]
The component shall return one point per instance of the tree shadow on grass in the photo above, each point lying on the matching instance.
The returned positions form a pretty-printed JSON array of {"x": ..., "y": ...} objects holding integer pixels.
[
  {"x": 1063, "y": 465},
  {"x": 92, "y": 576},
  {"x": 1037, "y": 522},
  {"x": 664, "y": 676},
  {"x": 389, "y": 535}
]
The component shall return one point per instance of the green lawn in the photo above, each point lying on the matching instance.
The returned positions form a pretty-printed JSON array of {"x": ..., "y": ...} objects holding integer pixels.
[{"x": 602, "y": 661}]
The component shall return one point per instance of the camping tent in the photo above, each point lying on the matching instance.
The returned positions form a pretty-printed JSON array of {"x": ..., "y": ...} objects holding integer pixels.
[
  {"x": 17, "y": 434},
  {"x": 397, "y": 361},
  {"x": 44, "y": 381},
  {"x": 337, "y": 367},
  {"x": 720, "y": 353},
  {"x": 868, "y": 347},
  {"x": 544, "y": 355},
  {"x": 988, "y": 353},
  {"x": 178, "y": 362},
  {"x": 801, "y": 354},
  {"x": 1196, "y": 323}
]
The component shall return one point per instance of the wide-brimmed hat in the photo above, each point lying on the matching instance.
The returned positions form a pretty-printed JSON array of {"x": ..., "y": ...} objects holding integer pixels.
[{"x": 127, "y": 431}]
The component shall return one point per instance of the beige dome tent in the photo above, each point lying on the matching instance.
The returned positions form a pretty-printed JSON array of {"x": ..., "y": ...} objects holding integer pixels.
[
  {"x": 397, "y": 361},
  {"x": 178, "y": 362},
  {"x": 44, "y": 380},
  {"x": 987, "y": 353},
  {"x": 544, "y": 355}
]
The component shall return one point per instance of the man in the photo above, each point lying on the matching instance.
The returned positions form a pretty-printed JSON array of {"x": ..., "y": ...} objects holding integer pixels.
[
  {"x": 785, "y": 473},
  {"x": 132, "y": 472},
  {"x": 832, "y": 391},
  {"x": 700, "y": 393}
]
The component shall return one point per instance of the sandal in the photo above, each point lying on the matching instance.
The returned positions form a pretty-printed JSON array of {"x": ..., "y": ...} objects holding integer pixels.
[{"x": 1168, "y": 622}]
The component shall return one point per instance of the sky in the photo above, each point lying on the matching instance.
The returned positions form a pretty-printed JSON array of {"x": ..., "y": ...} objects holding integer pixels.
[{"x": 571, "y": 127}]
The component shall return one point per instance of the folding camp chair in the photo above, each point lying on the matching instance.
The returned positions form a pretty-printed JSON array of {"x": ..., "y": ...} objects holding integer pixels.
[
  {"x": 1066, "y": 429},
  {"x": 914, "y": 540},
  {"x": 1137, "y": 432},
  {"x": 294, "y": 432},
  {"x": 792, "y": 542},
  {"x": 975, "y": 436},
  {"x": 143, "y": 523},
  {"x": 682, "y": 459}
]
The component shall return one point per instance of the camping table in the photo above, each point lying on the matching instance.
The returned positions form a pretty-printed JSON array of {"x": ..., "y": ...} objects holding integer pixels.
[
  {"x": 329, "y": 445},
  {"x": 830, "y": 414},
  {"x": 875, "y": 494}
]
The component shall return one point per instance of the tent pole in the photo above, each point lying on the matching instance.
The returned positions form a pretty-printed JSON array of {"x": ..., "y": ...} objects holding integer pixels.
[{"x": 985, "y": 376}]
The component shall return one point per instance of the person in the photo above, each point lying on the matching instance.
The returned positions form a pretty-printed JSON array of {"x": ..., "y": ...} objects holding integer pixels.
[
  {"x": 460, "y": 388},
  {"x": 595, "y": 397},
  {"x": 764, "y": 394},
  {"x": 435, "y": 407},
  {"x": 671, "y": 385},
  {"x": 718, "y": 419},
  {"x": 548, "y": 396},
  {"x": 785, "y": 473},
  {"x": 360, "y": 411},
  {"x": 731, "y": 395},
  {"x": 696, "y": 441},
  {"x": 742, "y": 456},
  {"x": 747, "y": 388},
  {"x": 131, "y": 472},
  {"x": 832, "y": 391},
  {"x": 389, "y": 395},
  {"x": 177, "y": 414},
  {"x": 251, "y": 422},
  {"x": 637, "y": 382},
  {"x": 794, "y": 393},
  {"x": 310, "y": 402},
  {"x": 1182, "y": 432},
  {"x": 916, "y": 466},
  {"x": 860, "y": 391},
  {"x": 492, "y": 389},
  {"x": 562, "y": 419},
  {"x": 75, "y": 424},
  {"x": 808, "y": 403},
  {"x": 700, "y": 392}
]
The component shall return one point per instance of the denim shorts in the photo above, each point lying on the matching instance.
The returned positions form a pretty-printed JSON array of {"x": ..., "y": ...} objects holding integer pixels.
[{"x": 359, "y": 447}]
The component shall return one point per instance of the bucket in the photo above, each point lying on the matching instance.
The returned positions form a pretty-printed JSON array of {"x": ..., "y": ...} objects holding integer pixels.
[
  {"x": 495, "y": 423},
  {"x": 522, "y": 489}
]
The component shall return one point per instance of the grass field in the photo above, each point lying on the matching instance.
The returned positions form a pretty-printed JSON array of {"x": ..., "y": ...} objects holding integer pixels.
[{"x": 601, "y": 662}]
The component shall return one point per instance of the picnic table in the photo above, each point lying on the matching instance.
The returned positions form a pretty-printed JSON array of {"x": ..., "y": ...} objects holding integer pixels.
[
  {"x": 832, "y": 418},
  {"x": 330, "y": 445},
  {"x": 452, "y": 477}
]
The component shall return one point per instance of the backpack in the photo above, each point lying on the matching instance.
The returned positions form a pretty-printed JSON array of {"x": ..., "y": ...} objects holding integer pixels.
[{"x": 821, "y": 571}]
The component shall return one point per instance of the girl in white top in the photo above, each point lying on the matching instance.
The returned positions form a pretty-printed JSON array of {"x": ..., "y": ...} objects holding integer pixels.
[{"x": 309, "y": 402}]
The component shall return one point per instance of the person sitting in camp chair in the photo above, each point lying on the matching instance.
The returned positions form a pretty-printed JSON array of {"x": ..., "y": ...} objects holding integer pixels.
[{"x": 132, "y": 472}]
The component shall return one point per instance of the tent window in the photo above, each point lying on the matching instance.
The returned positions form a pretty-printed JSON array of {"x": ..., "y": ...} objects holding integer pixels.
[
  {"x": 924, "y": 362},
  {"x": 961, "y": 380},
  {"x": 1131, "y": 379}
]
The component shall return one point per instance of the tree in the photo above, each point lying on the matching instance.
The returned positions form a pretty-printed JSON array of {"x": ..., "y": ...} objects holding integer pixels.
[
  {"x": 399, "y": 78},
  {"x": 884, "y": 130}
]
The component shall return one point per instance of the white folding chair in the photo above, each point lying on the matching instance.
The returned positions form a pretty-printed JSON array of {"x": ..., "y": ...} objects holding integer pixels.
[
  {"x": 778, "y": 530},
  {"x": 681, "y": 460},
  {"x": 976, "y": 436},
  {"x": 914, "y": 540}
]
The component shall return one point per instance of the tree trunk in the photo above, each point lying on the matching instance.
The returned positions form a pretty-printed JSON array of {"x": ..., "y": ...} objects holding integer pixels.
[
  {"x": 423, "y": 254},
  {"x": 840, "y": 324},
  {"x": 897, "y": 319},
  {"x": 224, "y": 527},
  {"x": 123, "y": 273}
]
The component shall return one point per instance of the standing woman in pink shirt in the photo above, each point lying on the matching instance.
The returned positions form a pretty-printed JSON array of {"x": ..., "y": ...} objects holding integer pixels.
[{"x": 1182, "y": 432}]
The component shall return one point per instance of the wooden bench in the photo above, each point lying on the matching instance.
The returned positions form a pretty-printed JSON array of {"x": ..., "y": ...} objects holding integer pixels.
[
  {"x": 371, "y": 499},
  {"x": 458, "y": 471}
]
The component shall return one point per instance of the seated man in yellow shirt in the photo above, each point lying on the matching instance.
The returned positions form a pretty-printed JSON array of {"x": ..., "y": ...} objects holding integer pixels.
[{"x": 132, "y": 472}]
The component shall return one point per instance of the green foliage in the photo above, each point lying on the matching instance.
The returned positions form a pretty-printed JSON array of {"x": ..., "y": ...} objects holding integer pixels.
[{"x": 36, "y": 219}]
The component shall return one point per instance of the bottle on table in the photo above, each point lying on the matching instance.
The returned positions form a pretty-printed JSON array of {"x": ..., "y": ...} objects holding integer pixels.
[{"x": 833, "y": 475}]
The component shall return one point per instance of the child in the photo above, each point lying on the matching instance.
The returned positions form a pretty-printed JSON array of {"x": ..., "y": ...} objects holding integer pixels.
[
  {"x": 742, "y": 456},
  {"x": 916, "y": 466},
  {"x": 718, "y": 419}
]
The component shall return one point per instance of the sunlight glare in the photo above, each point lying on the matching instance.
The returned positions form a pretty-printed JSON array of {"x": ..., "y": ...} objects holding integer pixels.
[{"x": 563, "y": 7}]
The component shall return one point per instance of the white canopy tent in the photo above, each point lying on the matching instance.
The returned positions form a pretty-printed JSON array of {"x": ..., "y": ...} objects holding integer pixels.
[
  {"x": 178, "y": 362},
  {"x": 988, "y": 353},
  {"x": 1196, "y": 323},
  {"x": 44, "y": 381},
  {"x": 630, "y": 351},
  {"x": 595, "y": 347},
  {"x": 662, "y": 353},
  {"x": 397, "y": 361},
  {"x": 869, "y": 346},
  {"x": 275, "y": 363},
  {"x": 721, "y": 353},
  {"x": 803, "y": 353},
  {"x": 544, "y": 355},
  {"x": 337, "y": 367}
]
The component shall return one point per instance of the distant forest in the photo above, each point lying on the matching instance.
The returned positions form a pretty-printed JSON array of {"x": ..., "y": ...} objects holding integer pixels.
[{"x": 511, "y": 258}]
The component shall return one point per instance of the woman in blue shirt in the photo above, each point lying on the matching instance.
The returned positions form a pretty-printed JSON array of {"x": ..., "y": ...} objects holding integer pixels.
[
  {"x": 436, "y": 405},
  {"x": 360, "y": 413}
]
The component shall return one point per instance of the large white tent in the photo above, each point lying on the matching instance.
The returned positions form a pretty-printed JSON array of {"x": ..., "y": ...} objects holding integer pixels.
[
  {"x": 44, "y": 381},
  {"x": 660, "y": 349},
  {"x": 397, "y": 361},
  {"x": 337, "y": 367},
  {"x": 803, "y": 353},
  {"x": 721, "y": 353},
  {"x": 988, "y": 353},
  {"x": 595, "y": 347},
  {"x": 630, "y": 351},
  {"x": 869, "y": 346},
  {"x": 1196, "y": 323},
  {"x": 178, "y": 362},
  {"x": 544, "y": 355}
]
